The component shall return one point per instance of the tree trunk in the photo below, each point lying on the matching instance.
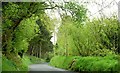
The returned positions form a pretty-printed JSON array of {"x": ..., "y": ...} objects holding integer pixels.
[{"x": 40, "y": 50}]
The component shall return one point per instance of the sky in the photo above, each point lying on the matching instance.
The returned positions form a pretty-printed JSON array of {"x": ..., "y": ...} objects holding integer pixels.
[{"x": 96, "y": 9}]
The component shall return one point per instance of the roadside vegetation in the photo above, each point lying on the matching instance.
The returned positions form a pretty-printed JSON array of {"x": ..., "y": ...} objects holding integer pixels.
[
  {"x": 89, "y": 63},
  {"x": 19, "y": 65},
  {"x": 87, "y": 45},
  {"x": 25, "y": 35},
  {"x": 82, "y": 44}
]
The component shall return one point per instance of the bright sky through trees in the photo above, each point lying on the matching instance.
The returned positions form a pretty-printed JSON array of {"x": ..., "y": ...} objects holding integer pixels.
[
  {"x": 82, "y": 34},
  {"x": 96, "y": 9}
]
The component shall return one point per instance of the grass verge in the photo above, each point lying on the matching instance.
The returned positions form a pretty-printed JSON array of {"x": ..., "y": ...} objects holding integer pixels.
[{"x": 20, "y": 64}]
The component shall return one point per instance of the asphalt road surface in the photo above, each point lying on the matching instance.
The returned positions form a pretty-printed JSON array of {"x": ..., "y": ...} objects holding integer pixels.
[{"x": 45, "y": 68}]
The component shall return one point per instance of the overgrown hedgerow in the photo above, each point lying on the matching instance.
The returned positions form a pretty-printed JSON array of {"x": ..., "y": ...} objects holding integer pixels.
[{"x": 89, "y": 63}]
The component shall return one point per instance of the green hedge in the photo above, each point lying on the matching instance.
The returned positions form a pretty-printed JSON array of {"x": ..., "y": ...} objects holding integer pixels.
[
  {"x": 77, "y": 63},
  {"x": 8, "y": 65}
]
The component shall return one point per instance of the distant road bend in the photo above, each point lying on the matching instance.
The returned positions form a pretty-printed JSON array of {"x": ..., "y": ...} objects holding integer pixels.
[{"x": 45, "y": 68}]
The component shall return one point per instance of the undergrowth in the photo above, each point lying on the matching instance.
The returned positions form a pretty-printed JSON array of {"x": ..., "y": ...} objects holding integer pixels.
[
  {"x": 20, "y": 64},
  {"x": 89, "y": 63}
]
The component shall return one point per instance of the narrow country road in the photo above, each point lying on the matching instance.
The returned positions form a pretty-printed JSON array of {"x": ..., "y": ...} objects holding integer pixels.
[{"x": 46, "y": 68}]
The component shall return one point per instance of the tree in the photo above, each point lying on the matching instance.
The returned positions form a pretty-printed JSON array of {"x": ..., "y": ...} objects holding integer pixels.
[
  {"x": 41, "y": 43},
  {"x": 19, "y": 25}
]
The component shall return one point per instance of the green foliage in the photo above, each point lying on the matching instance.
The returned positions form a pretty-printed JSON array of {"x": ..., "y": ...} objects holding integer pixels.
[
  {"x": 19, "y": 24},
  {"x": 26, "y": 60},
  {"x": 65, "y": 41},
  {"x": 34, "y": 60},
  {"x": 41, "y": 43},
  {"x": 18, "y": 62},
  {"x": 19, "y": 28},
  {"x": 8, "y": 65},
  {"x": 98, "y": 37},
  {"x": 48, "y": 56},
  {"x": 95, "y": 64},
  {"x": 24, "y": 33},
  {"x": 77, "y": 11},
  {"x": 0, "y": 60},
  {"x": 46, "y": 21},
  {"x": 63, "y": 62},
  {"x": 69, "y": 31},
  {"x": 26, "y": 28},
  {"x": 89, "y": 63},
  {"x": 76, "y": 36},
  {"x": 56, "y": 64},
  {"x": 16, "y": 10}
]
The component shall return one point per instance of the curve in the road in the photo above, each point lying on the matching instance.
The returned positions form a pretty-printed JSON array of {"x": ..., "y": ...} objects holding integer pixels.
[{"x": 46, "y": 68}]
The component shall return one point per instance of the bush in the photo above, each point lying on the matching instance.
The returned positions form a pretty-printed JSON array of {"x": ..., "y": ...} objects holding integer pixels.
[
  {"x": 19, "y": 64},
  {"x": 48, "y": 56},
  {"x": 8, "y": 65},
  {"x": 95, "y": 64},
  {"x": 90, "y": 63},
  {"x": 62, "y": 61},
  {"x": 35, "y": 60}
]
